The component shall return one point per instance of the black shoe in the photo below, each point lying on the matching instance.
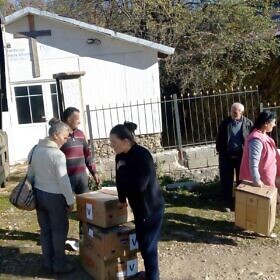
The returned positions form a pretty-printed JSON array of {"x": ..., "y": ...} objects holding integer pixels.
[{"x": 65, "y": 270}]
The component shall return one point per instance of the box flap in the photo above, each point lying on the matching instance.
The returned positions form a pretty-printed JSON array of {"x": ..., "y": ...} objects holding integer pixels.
[
  {"x": 125, "y": 228},
  {"x": 111, "y": 191},
  {"x": 267, "y": 192},
  {"x": 98, "y": 195}
]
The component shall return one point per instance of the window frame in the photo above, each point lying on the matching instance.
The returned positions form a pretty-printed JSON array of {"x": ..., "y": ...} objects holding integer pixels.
[
  {"x": 32, "y": 123},
  {"x": 57, "y": 100}
]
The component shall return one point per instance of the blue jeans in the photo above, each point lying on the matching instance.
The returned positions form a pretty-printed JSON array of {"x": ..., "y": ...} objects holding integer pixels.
[
  {"x": 148, "y": 234},
  {"x": 53, "y": 221}
]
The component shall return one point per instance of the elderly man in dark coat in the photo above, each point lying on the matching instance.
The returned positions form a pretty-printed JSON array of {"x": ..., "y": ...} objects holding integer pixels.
[{"x": 231, "y": 136}]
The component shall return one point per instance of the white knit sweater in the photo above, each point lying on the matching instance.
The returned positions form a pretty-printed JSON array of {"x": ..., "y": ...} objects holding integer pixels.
[{"x": 48, "y": 170}]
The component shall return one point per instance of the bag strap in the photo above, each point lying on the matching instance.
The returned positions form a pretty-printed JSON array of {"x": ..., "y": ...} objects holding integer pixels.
[
  {"x": 25, "y": 178},
  {"x": 30, "y": 161},
  {"x": 31, "y": 155}
]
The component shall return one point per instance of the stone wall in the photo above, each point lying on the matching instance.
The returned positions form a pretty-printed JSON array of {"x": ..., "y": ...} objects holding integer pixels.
[
  {"x": 200, "y": 157},
  {"x": 168, "y": 164},
  {"x": 199, "y": 164},
  {"x": 102, "y": 147}
]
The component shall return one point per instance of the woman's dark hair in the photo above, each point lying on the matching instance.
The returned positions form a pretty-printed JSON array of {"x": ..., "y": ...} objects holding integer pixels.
[
  {"x": 125, "y": 131},
  {"x": 264, "y": 117},
  {"x": 68, "y": 113}
]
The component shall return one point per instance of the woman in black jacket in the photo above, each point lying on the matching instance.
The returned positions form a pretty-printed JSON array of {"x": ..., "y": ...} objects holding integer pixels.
[{"x": 137, "y": 181}]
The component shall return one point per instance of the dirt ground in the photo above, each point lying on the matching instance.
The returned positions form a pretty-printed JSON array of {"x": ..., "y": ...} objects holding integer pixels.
[{"x": 199, "y": 241}]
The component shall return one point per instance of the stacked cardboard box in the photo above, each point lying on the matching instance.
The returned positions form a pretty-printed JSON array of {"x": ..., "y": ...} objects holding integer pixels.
[
  {"x": 255, "y": 208},
  {"x": 109, "y": 247}
]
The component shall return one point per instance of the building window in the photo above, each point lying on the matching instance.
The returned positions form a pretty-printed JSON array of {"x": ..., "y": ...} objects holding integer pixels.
[
  {"x": 55, "y": 102},
  {"x": 30, "y": 104}
]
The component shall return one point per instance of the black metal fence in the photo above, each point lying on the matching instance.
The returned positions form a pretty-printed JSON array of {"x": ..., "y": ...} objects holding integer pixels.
[
  {"x": 186, "y": 120},
  {"x": 200, "y": 114}
]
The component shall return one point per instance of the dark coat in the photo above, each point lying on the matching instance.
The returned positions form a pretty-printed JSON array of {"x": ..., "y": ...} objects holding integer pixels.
[
  {"x": 137, "y": 181},
  {"x": 224, "y": 131}
]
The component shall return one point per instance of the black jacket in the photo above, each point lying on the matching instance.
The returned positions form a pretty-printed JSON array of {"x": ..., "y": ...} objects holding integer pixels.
[
  {"x": 137, "y": 181},
  {"x": 223, "y": 136}
]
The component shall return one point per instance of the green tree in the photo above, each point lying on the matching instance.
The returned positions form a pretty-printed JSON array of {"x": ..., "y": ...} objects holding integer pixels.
[
  {"x": 221, "y": 51},
  {"x": 218, "y": 44}
]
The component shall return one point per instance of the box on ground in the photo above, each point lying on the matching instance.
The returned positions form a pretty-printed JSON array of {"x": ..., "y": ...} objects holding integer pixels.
[
  {"x": 120, "y": 268},
  {"x": 255, "y": 208},
  {"x": 100, "y": 208},
  {"x": 110, "y": 243}
]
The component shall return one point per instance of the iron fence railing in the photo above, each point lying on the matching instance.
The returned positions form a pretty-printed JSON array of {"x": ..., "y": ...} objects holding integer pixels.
[
  {"x": 186, "y": 120},
  {"x": 200, "y": 114}
]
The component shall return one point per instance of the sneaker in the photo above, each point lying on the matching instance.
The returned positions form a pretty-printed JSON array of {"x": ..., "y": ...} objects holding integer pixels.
[
  {"x": 65, "y": 270},
  {"x": 72, "y": 245},
  {"x": 227, "y": 209}
]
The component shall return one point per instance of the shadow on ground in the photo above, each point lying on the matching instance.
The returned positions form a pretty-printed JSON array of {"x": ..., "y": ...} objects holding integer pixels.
[
  {"x": 182, "y": 227},
  {"x": 208, "y": 223},
  {"x": 14, "y": 263},
  {"x": 18, "y": 235}
]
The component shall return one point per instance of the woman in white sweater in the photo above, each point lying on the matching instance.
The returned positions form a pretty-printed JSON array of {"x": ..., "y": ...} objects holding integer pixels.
[{"x": 54, "y": 196}]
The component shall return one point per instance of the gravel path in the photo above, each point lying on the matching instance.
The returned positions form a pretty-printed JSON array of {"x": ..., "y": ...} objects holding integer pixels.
[{"x": 190, "y": 261}]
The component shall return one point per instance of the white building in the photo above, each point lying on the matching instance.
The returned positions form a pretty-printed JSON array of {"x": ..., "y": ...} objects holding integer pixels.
[{"x": 118, "y": 68}]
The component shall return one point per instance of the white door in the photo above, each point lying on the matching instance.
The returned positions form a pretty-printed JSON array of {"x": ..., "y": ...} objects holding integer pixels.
[{"x": 35, "y": 105}]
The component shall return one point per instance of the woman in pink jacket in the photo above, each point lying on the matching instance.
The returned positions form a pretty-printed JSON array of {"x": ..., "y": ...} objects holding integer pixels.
[{"x": 260, "y": 154}]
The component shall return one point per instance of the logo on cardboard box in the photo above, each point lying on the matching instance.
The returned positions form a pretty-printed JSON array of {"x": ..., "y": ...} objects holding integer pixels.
[
  {"x": 132, "y": 267},
  {"x": 133, "y": 244},
  {"x": 90, "y": 232},
  {"x": 89, "y": 212}
]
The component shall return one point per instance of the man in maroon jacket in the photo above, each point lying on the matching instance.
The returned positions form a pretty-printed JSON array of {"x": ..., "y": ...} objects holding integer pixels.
[{"x": 78, "y": 155}]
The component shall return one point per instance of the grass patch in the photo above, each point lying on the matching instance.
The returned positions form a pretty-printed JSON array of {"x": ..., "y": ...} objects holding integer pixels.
[
  {"x": 165, "y": 180},
  {"x": 4, "y": 202}
]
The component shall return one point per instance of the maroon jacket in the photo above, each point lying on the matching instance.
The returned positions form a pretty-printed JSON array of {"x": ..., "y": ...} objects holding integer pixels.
[{"x": 78, "y": 154}]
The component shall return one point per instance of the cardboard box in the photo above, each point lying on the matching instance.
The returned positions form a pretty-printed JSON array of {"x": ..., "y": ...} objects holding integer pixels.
[
  {"x": 100, "y": 208},
  {"x": 120, "y": 268},
  {"x": 255, "y": 208},
  {"x": 110, "y": 243}
]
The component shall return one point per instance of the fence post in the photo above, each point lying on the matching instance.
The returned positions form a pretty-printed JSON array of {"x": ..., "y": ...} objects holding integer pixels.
[
  {"x": 178, "y": 128},
  {"x": 90, "y": 132},
  {"x": 261, "y": 106}
]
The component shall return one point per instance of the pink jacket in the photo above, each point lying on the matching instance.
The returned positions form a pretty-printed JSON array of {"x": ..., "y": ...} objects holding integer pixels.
[{"x": 268, "y": 167}]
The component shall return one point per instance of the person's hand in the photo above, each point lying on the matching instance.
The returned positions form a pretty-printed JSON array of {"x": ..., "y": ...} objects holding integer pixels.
[
  {"x": 259, "y": 184},
  {"x": 122, "y": 205},
  {"x": 70, "y": 208},
  {"x": 96, "y": 179}
]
